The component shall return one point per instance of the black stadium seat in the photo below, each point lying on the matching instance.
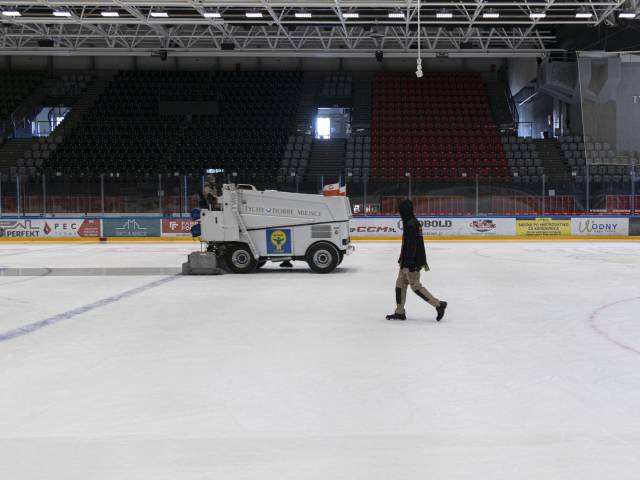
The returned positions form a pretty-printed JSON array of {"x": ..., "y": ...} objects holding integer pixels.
[{"x": 126, "y": 133}]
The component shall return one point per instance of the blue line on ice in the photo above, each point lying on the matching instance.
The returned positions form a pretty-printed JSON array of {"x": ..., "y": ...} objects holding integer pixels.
[{"x": 32, "y": 327}]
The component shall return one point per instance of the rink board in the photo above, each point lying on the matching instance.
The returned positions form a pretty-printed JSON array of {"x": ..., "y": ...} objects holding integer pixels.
[{"x": 147, "y": 228}]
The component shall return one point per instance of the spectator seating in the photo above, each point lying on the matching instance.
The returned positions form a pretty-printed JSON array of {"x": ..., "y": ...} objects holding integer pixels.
[
  {"x": 126, "y": 133},
  {"x": 522, "y": 158},
  {"x": 438, "y": 128},
  {"x": 358, "y": 158},
  {"x": 71, "y": 85},
  {"x": 337, "y": 84},
  {"x": 14, "y": 88},
  {"x": 295, "y": 159},
  {"x": 604, "y": 165}
]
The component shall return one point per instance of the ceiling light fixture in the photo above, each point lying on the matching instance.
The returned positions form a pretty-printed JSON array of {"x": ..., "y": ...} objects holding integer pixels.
[
  {"x": 628, "y": 15},
  {"x": 490, "y": 14},
  {"x": 303, "y": 15},
  {"x": 535, "y": 15},
  {"x": 584, "y": 14},
  {"x": 444, "y": 14},
  {"x": 61, "y": 13},
  {"x": 253, "y": 14},
  {"x": 348, "y": 15},
  {"x": 109, "y": 13},
  {"x": 396, "y": 15},
  {"x": 211, "y": 14},
  {"x": 159, "y": 14},
  {"x": 11, "y": 12}
]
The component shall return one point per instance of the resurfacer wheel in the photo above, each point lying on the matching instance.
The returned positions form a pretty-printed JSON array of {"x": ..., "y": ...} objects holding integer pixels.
[
  {"x": 323, "y": 257},
  {"x": 238, "y": 259}
]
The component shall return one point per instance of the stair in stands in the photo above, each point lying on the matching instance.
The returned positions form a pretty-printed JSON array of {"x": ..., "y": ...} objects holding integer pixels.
[
  {"x": 362, "y": 101},
  {"x": 14, "y": 148},
  {"x": 34, "y": 90},
  {"x": 84, "y": 103},
  {"x": 550, "y": 153},
  {"x": 496, "y": 91},
  {"x": 308, "y": 103},
  {"x": 327, "y": 160}
]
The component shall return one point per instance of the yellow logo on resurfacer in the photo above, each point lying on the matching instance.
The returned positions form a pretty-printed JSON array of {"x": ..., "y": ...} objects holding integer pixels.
[{"x": 279, "y": 238}]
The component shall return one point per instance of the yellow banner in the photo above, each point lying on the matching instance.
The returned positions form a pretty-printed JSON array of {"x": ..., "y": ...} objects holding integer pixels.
[{"x": 543, "y": 227}]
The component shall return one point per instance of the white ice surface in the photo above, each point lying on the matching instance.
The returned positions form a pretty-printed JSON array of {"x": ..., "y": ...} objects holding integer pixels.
[{"x": 533, "y": 374}]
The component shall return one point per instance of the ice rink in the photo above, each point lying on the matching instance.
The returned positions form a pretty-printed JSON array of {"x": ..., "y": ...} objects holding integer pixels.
[{"x": 114, "y": 367}]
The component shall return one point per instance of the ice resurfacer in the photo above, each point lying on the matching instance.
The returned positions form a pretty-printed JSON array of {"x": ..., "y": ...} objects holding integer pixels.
[{"x": 254, "y": 226}]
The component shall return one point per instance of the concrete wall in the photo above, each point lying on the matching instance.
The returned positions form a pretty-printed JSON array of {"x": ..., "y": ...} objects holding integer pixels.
[
  {"x": 534, "y": 116},
  {"x": 520, "y": 72},
  {"x": 628, "y": 111}
]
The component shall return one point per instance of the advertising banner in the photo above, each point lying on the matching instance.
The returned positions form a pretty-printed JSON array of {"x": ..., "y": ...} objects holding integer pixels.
[
  {"x": 434, "y": 227},
  {"x": 543, "y": 227},
  {"x": 374, "y": 227},
  {"x": 488, "y": 227},
  {"x": 634, "y": 226},
  {"x": 177, "y": 227},
  {"x": 131, "y": 227},
  {"x": 600, "y": 226},
  {"x": 50, "y": 228}
]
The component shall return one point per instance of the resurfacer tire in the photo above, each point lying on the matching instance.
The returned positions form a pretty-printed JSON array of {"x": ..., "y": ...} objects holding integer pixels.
[
  {"x": 238, "y": 259},
  {"x": 323, "y": 257}
]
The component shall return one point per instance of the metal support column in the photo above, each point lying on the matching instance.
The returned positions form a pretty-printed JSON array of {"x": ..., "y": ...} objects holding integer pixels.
[
  {"x": 18, "y": 192},
  {"x": 633, "y": 190},
  {"x": 477, "y": 195},
  {"x": 102, "y": 192},
  {"x": 186, "y": 205},
  {"x": 544, "y": 210},
  {"x": 588, "y": 189},
  {"x": 44, "y": 194},
  {"x": 365, "y": 196},
  {"x": 160, "y": 193}
]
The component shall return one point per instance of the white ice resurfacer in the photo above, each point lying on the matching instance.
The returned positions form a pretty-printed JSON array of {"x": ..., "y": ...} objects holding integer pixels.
[{"x": 255, "y": 226}]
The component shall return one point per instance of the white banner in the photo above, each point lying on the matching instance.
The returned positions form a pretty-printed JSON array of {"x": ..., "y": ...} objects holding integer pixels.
[
  {"x": 49, "y": 228},
  {"x": 434, "y": 227},
  {"x": 600, "y": 226}
]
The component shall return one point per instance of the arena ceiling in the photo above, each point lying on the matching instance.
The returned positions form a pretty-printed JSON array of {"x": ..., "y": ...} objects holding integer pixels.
[{"x": 298, "y": 28}]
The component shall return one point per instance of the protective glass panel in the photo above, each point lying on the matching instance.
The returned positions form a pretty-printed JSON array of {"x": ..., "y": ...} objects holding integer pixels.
[{"x": 606, "y": 152}]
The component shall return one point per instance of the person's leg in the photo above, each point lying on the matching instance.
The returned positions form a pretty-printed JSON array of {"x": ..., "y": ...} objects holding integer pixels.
[
  {"x": 401, "y": 291},
  {"x": 416, "y": 286}
]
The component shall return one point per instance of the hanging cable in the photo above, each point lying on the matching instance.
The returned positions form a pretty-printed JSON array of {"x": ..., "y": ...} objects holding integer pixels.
[{"x": 419, "y": 62}]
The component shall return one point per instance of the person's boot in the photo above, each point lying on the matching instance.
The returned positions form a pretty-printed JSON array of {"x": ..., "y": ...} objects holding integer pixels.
[
  {"x": 396, "y": 316},
  {"x": 440, "y": 309}
]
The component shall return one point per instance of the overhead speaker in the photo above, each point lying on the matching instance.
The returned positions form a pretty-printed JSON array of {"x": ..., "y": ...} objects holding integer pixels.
[
  {"x": 227, "y": 46},
  {"x": 45, "y": 43}
]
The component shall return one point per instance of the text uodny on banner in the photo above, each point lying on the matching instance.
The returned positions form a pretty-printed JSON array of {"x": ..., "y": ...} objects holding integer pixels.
[{"x": 600, "y": 226}]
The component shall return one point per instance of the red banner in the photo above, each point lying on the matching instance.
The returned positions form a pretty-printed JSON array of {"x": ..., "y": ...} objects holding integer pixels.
[{"x": 178, "y": 227}]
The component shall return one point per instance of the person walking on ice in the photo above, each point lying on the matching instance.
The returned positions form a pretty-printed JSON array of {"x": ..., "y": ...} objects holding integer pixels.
[{"x": 413, "y": 258}]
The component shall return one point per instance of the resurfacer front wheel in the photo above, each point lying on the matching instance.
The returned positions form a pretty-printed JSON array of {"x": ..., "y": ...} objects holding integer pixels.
[
  {"x": 323, "y": 257},
  {"x": 238, "y": 259}
]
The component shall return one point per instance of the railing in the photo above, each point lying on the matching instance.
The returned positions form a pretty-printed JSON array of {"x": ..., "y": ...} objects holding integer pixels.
[
  {"x": 427, "y": 205},
  {"x": 533, "y": 205},
  {"x": 623, "y": 203},
  {"x": 502, "y": 78}
]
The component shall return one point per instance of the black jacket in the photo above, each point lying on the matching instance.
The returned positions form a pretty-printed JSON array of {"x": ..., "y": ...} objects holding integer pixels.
[{"x": 412, "y": 255}]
